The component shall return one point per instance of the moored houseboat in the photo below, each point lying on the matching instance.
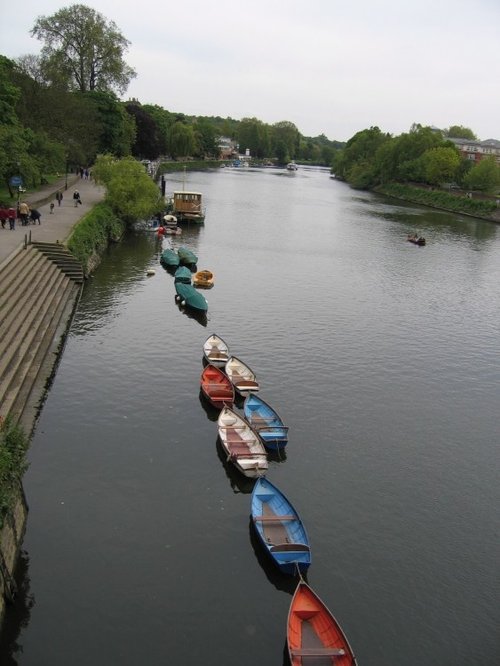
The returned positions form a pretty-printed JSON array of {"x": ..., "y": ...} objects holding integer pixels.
[{"x": 187, "y": 206}]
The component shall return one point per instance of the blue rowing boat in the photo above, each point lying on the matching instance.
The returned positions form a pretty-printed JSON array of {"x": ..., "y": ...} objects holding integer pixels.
[
  {"x": 266, "y": 421},
  {"x": 280, "y": 528}
]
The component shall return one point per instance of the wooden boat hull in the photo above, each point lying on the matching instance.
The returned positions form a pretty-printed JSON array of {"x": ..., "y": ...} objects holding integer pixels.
[
  {"x": 241, "y": 444},
  {"x": 242, "y": 376},
  {"x": 216, "y": 351},
  {"x": 313, "y": 634},
  {"x": 280, "y": 528},
  {"x": 266, "y": 421},
  {"x": 186, "y": 295},
  {"x": 216, "y": 387},
  {"x": 203, "y": 279}
]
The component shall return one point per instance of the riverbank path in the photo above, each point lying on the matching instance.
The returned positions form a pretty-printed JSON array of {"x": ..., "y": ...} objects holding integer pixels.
[{"x": 55, "y": 226}]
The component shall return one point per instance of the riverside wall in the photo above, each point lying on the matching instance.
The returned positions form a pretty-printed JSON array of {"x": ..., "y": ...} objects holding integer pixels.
[{"x": 56, "y": 226}]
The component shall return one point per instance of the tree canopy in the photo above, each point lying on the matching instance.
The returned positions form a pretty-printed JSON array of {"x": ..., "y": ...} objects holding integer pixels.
[
  {"x": 83, "y": 50},
  {"x": 130, "y": 191}
]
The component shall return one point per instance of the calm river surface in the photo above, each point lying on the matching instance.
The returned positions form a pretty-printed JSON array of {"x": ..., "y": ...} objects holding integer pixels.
[{"x": 384, "y": 360}]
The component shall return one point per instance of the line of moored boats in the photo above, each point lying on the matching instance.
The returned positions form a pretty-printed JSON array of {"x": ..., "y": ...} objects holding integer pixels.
[
  {"x": 313, "y": 633},
  {"x": 187, "y": 279}
]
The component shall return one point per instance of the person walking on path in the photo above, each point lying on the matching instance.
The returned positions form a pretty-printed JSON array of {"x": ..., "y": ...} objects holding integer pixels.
[
  {"x": 35, "y": 216},
  {"x": 56, "y": 227},
  {"x": 76, "y": 198},
  {"x": 24, "y": 212},
  {"x": 59, "y": 197},
  {"x": 12, "y": 218}
]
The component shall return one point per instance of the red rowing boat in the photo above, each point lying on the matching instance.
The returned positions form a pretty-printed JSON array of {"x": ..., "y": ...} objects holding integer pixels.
[
  {"x": 216, "y": 387},
  {"x": 314, "y": 635}
]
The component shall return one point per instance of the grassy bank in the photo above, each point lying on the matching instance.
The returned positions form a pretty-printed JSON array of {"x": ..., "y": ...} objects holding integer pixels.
[
  {"x": 438, "y": 199},
  {"x": 92, "y": 234},
  {"x": 13, "y": 447}
]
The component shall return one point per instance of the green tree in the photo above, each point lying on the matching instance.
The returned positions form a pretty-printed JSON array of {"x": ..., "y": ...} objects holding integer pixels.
[
  {"x": 181, "y": 140},
  {"x": 116, "y": 129},
  {"x": 9, "y": 93},
  {"x": 205, "y": 135},
  {"x": 149, "y": 142},
  {"x": 484, "y": 176},
  {"x": 460, "y": 132},
  {"x": 14, "y": 156},
  {"x": 254, "y": 135},
  {"x": 361, "y": 148},
  {"x": 83, "y": 49},
  {"x": 441, "y": 164},
  {"x": 164, "y": 121},
  {"x": 129, "y": 190},
  {"x": 285, "y": 133}
]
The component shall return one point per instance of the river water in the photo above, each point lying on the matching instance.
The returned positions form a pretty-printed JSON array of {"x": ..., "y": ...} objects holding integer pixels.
[{"x": 383, "y": 360}]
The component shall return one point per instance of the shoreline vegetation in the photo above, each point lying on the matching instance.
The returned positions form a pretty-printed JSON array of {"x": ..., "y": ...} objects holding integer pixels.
[
  {"x": 485, "y": 209},
  {"x": 13, "y": 447},
  {"x": 92, "y": 235}
]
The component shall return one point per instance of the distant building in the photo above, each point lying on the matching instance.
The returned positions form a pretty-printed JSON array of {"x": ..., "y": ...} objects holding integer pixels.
[
  {"x": 475, "y": 150},
  {"x": 227, "y": 147}
]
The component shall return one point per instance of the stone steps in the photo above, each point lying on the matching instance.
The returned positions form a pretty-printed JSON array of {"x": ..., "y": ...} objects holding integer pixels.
[{"x": 39, "y": 288}]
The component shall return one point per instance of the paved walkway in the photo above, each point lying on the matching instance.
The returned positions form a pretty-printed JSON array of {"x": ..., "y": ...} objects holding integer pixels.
[{"x": 58, "y": 225}]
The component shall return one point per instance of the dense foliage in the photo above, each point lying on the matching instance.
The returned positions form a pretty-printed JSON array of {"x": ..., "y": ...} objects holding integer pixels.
[
  {"x": 92, "y": 235},
  {"x": 423, "y": 155},
  {"x": 130, "y": 192},
  {"x": 60, "y": 110},
  {"x": 438, "y": 199},
  {"x": 82, "y": 51},
  {"x": 13, "y": 446}
]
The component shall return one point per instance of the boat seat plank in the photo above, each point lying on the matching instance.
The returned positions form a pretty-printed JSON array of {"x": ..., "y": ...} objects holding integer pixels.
[
  {"x": 274, "y": 519},
  {"x": 215, "y": 353},
  {"x": 317, "y": 652}
]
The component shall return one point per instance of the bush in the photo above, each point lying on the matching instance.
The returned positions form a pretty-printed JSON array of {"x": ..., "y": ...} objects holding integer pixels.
[
  {"x": 93, "y": 233},
  {"x": 438, "y": 199},
  {"x": 13, "y": 447}
]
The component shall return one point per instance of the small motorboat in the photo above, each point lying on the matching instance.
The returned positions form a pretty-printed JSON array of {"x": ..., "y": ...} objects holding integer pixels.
[
  {"x": 183, "y": 274},
  {"x": 279, "y": 528},
  {"x": 169, "y": 258},
  {"x": 187, "y": 296},
  {"x": 241, "y": 444},
  {"x": 216, "y": 351},
  {"x": 203, "y": 279},
  {"x": 266, "y": 421},
  {"x": 416, "y": 240},
  {"x": 187, "y": 257},
  {"x": 313, "y": 634},
  {"x": 242, "y": 376},
  {"x": 216, "y": 387}
]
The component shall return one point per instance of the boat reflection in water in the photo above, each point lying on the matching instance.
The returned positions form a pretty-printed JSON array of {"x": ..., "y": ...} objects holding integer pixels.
[
  {"x": 211, "y": 412},
  {"x": 200, "y": 316},
  {"x": 239, "y": 482},
  {"x": 276, "y": 577}
]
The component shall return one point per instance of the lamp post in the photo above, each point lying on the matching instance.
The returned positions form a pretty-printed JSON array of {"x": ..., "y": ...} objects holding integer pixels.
[{"x": 66, "y": 181}]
